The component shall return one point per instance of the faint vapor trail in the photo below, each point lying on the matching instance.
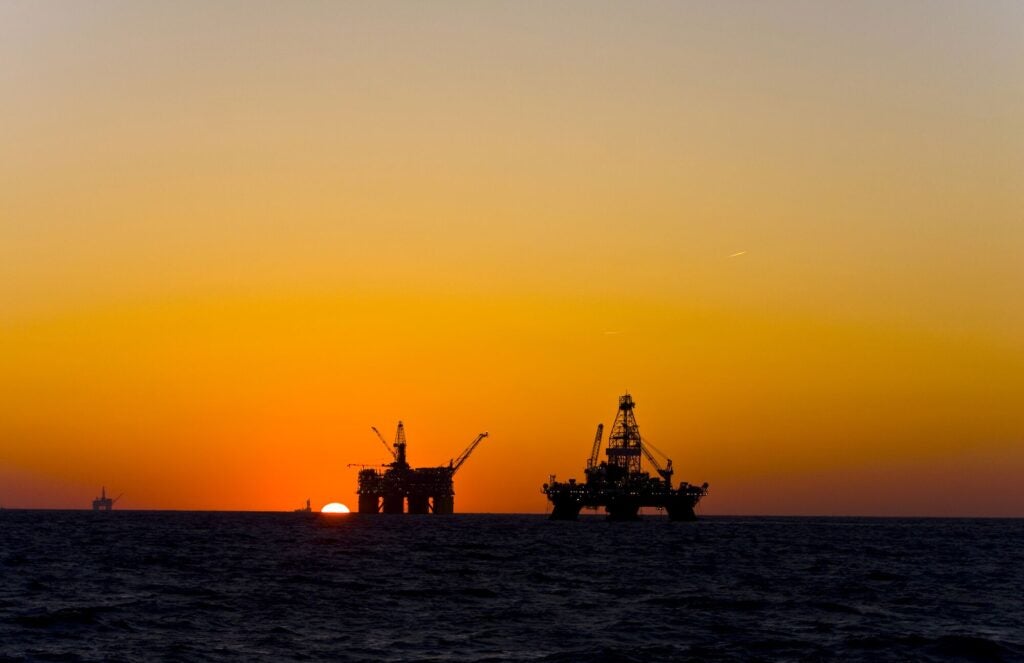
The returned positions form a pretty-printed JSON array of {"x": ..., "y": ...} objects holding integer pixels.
[{"x": 738, "y": 253}]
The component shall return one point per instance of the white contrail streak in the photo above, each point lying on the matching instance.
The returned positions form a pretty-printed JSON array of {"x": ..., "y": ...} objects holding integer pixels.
[{"x": 738, "y": 253}]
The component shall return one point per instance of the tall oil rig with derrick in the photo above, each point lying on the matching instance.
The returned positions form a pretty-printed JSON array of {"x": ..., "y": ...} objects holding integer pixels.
[
  {"x": 425, "y": 489},
  {"x": 619, "y": 483}
]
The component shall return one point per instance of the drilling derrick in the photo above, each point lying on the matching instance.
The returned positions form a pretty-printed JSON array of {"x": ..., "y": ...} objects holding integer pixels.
[
  {"x": 619, "y": 484},
  {"x": 624, "y": 440},
  {"x": 424, "y": 489}
]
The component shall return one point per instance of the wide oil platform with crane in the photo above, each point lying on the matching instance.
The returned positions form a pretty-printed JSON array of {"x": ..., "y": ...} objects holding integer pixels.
[
  {"x": 619, "y": 484},
  {"x": 426, "y": 489}
]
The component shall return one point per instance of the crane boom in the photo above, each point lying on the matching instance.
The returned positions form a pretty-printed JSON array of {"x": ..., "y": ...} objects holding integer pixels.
[
  {"x": 383, "y": 441},
  {"x": 596, "y": 449},
  {"x": 665, "y": 472},
  {"x": 456, "y": 463},
  {"x": 650, "y": 457}
]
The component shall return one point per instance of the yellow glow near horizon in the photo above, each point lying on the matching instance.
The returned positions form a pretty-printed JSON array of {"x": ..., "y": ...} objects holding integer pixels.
[
  {"x": 233, "y": 240},
  {"x": 334, "y": 507}
]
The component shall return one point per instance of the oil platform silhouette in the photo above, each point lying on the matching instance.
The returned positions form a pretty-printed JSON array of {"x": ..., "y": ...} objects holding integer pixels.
[
  {"x": 426, "y": 489},
  {"x": 104, "y": 503},
  {"x": 619, "y": 484}
]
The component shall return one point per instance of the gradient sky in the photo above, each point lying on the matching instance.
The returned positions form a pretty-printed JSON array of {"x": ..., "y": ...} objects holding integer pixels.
[{"x": 235, "y": 235}]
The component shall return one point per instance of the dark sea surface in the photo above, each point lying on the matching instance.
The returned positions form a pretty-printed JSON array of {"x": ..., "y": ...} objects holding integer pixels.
[{"x": 143, "y": 586}]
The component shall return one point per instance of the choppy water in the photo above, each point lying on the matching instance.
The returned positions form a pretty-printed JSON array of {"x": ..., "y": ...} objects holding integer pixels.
[{"x": 146, "y": 586}]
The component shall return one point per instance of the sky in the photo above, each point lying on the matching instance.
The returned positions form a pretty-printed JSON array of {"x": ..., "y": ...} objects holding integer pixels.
[{"x": 236, "y": 235}]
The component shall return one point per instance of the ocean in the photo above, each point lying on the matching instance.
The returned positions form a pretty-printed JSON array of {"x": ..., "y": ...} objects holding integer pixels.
[{"x": 219, "y": 586}]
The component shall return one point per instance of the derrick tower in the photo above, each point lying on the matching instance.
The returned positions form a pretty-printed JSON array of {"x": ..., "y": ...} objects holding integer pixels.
[
  {"x": 400, "y": 446},
  {"x": 624, "y": 441}
]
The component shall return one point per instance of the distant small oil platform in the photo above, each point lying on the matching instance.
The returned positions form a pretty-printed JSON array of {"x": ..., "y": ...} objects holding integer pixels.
[
  {"x": 425, "y": 489},
  {"x": 104, "y": 503},
  {"x": 619, "y": 484},
  {"x": 305, "y": 509}
]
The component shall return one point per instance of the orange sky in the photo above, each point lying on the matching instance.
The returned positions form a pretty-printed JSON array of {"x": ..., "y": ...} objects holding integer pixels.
[{"x": 232, "y": 238}]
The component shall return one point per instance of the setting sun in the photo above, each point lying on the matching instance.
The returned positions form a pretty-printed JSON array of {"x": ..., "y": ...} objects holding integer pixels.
[
  {"x": 334, "y": 507},
  {"x": 224, "y": 228}
]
